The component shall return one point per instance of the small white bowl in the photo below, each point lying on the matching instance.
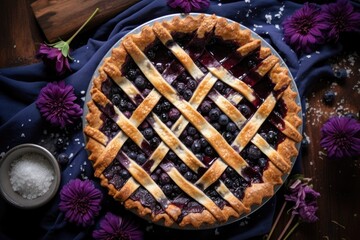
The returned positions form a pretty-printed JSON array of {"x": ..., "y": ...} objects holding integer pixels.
[{"x": 6, "y": 187}]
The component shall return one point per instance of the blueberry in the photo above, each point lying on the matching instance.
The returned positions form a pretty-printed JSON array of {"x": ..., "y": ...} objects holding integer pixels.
[
  {"x": 124, "y": 174},
  {"x": 169, "y": 124},
  {"x": 141, "y": 159},
  {"x": 223, "y": 119},
  {"x": 166, "y": 106},
  {"x": 164, "y": 117},
  {"x": 262, "y": 162},
  {"x": 216, "y": 125},
  {"x": 188, "y": 175},
  {"x": 160, "y": 67},
  {"x": 253, "y": 152},
  {"x": 151, "y": 54},
  {"x": 154, "y": 142},
  {"x": 245, "y": 110},
  {"x": 60, "y": 143},
  {"x": 164, "y": 178},
  {"x": 219, "y": 85},
  {"x": 191, "y": 131},
  {"x": 158, "y": 108},
  {"x": 228, "y": 136},
  {"x": 231, "y": 127},
  {"x": 131, "y": 74},
  {"x": 196, "y": 146},
  {"x": 180, "y": 87},
  {"x": 203, "y": 142},
  {"x": 329, "y": 97},
  {"x": 209, "y": 151},
  {"x": 205, "y": 107},
  {"x": 188, "y": 141},
  {"x": 116, "y": 99},
  {"x": 187, "y": 94},
  {"x": 130, "y": 106},
  {"x": 341, "y": 73},
  {"x": 171, "y": 155},
  {"x": 214, "y": 114},
  {"x": 140, "y": 82},
  {"x": 183, "y": 168},
  {"x": 63, "y": 159},
  {"x": 148, "y": 133},
  {"x": 167, "y": 189},
  {"x": 174, "y": 114},
  {"x": 191, "y": 84},
  {"x": 271, "y": 136},
  {"x": 132, "y": 155},
  {"x": 123, "y": 104},
  {"x": 304, "y": 143}
]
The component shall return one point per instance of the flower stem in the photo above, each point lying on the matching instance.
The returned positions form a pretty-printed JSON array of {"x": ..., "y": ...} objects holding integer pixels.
[
  {"x": 286, "y": 227},
  {"x": 82, "y": 26},
  {"x": 291, "y": 231},
  {"x": 276, "y": 220}
]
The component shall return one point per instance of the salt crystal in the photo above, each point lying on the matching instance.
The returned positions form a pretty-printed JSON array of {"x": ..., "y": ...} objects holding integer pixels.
[{"x": 31, "y": 175}]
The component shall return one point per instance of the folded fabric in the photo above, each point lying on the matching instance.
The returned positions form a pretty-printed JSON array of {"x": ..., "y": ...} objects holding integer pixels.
[{"x": 21, "y": 122}]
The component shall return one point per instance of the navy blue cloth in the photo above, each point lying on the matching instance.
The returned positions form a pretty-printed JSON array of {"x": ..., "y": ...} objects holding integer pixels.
[{"x": 20, "y": 120}]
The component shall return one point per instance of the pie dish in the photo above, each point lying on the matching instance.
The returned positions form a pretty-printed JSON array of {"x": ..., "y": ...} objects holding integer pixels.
[{"x": 192, "y": 121}]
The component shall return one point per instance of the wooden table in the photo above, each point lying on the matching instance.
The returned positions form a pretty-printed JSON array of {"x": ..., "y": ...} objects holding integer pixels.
[{"x": 337, "y": 181}]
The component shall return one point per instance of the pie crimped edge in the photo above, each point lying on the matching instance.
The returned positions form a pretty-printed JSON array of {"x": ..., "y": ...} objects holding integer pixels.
[{"x": 102, "y": 152}]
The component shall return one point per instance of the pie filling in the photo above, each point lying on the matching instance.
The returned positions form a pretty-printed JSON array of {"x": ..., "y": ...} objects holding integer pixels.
[{"x": 176, "y": 155}]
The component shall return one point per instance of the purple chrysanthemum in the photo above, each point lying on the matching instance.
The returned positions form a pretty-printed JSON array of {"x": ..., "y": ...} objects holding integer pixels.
[
  {"x": 340, "y": 136},
  {"x": 54, "y": 58},
  {"x": 56, "y": 104},
  {"x": 342, "y": 18},
  {"x": 189, "y": 5},
  {"x": 114, "y": 227},
  {"x": 304, "y": 30},
  {"x": 80, "y": 201}
]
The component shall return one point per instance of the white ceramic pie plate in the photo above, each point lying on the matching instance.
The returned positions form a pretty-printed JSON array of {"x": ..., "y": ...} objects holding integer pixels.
[{"x": 254, "y": 35}]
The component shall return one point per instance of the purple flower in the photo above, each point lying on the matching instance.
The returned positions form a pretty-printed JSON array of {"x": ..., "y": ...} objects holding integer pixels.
[
  {"x": 307, "y": 213},
  {"x": 340, "y": 136},
  {"x": 80, "y": 202},
  {"x": 303, "y": 31},
  {"x": 114, "y": 227},
  {"x": 189, "y": 5},
  {"x": 54, "y": 58},
  {"x": 304, "y": 198},
  {"x": 341, "y": 17},
  {"x": 56, "y": 104}
]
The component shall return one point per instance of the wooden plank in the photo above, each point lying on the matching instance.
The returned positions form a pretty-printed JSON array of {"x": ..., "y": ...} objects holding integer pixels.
[{"x": 61, "y": 18}]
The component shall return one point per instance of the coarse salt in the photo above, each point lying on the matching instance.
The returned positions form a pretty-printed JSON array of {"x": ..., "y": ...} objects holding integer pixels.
[{"x": 31, "y": 175}]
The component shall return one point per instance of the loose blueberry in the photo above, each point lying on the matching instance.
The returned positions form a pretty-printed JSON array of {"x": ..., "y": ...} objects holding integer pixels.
[
  {"x": 329, "y": 97},
  {"x": 63, "y": 159},
  {"x": 60, "y": 143},
  {"x": 341, "y": 73}
]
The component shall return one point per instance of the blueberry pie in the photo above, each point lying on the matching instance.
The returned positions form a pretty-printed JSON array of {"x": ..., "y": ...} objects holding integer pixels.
[{"x": 192, "y": 122}]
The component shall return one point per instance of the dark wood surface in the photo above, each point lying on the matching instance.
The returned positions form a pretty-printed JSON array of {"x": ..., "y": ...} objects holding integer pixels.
[{"x": 337, "y": 181}]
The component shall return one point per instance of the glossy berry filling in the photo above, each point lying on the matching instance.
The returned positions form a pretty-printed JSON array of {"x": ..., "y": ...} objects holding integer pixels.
[{"x": 174, "y": 73}]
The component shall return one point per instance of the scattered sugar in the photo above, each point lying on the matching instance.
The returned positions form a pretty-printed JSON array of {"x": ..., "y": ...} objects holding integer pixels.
[
  {"x": 31, "y": 175},
  {"x": 268, "y": 18}
]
